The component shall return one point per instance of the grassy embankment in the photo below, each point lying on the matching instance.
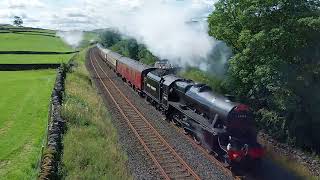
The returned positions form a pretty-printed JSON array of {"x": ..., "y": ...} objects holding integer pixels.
[
  {"x": 29, "y": 41},
  {"x": 24, "y": 101},
  {"x": 24, "y": 104},
  {"x": 90, "y": 144}
]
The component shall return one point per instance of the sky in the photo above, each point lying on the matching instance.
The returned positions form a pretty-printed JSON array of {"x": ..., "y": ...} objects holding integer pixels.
[
  {"x": 166, "y": 27},
  {"x": 87, "y": 14}
]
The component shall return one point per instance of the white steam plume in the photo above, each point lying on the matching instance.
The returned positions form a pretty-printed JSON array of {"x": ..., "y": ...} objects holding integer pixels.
[
  {"x": 73, "y": 38},
  {"x": 166, "y": 28}
]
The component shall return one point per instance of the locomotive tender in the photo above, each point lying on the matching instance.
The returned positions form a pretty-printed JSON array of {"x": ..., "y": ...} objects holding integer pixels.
[{"x": 223, "y": 127}]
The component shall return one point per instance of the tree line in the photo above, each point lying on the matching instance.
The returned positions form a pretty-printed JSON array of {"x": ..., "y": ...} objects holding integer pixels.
[
  {"x": 127, "y": 46},
  {"x": 276, "y": 63}
]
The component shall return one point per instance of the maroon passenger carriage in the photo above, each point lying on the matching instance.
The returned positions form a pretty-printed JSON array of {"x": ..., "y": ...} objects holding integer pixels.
[
  {"x": 133, "y": 72},
  {"x": 130, "y": 70}
]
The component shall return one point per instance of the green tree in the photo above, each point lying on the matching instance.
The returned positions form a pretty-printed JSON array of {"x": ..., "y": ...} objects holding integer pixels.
[
  {"x": 109, "y": 38},
  {"x": 145, "y": 56},
  {"x": 17, "y": 21},
  {"x": 127, "y": 46},
  {"x": 276, "y": 62}
]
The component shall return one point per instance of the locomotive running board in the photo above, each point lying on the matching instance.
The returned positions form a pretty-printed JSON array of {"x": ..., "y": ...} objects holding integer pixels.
[{"x": 203, "y": 122}]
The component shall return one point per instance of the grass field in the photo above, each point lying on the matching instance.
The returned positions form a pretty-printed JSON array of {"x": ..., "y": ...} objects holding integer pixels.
[
  {"x": 24, "y": 104},
  {"x": 31, "y": 58},
  {"x": 25, "y": 42},
  {"x": 38, "y": 40},
  {"x": 91, "y": 149}
]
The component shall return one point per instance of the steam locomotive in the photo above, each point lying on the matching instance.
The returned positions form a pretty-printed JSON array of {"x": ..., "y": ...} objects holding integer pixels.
[{"x": 225, "y": 128}]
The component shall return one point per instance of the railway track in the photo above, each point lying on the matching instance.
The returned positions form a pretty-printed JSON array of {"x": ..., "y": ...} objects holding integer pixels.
[{"x": 169, "y": 164}]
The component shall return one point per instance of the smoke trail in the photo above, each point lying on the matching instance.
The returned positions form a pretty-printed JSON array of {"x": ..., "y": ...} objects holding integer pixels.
[
  {"x": 170, "y": 30},
  {"x": 174, "y": 30},
  {"x": 73, "y": 38}
]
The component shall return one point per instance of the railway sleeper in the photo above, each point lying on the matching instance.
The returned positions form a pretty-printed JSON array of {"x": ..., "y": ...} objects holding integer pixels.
[
  {"x": 167, "y": 157},
  {"x": 151, "y": 144},
  {"x": 124, "y": 104},
  {"x": 159, "y": 149},
  {"x": 170, "y": 161},
  {"x": 138, "y": 126},
  {"x": 155, "y": 149},
  {"x": 141, "y": 130},
  {"x": 139, "y": 123},
  {"x": 175, "y": 164},
  {"x": 135, "y": 116},
  {"x": 137, "y": 120},
  {"x": 151, "y": 138},
  {"x": 161, "y": 155},
  {"x": 130, "y": 112},
  {"x": 177, "y": 169},
  {"x": 150, "y": 133},
  {"x": 180, "y": 176}
]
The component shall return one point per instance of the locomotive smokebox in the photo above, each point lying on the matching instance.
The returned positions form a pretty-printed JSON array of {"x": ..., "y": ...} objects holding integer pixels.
[{"x": 219, "y": 110}]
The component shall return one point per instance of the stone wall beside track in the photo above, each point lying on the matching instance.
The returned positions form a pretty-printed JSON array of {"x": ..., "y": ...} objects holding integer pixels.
[{"x": 56, "y": 127}]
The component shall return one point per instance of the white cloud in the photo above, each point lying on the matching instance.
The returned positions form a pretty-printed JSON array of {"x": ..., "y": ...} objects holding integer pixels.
[{"x": 21, "y": 4}]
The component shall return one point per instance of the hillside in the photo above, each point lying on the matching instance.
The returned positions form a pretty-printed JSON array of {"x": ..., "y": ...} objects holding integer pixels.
[{"x": 19, "y": 39}]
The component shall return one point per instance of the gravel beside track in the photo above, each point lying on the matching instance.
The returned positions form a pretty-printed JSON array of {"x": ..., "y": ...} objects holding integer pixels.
[{"x": 139, "y": 163}]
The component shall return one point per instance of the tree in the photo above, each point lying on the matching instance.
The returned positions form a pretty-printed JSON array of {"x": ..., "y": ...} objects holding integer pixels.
[
  {"x": 110, "y": 37},
  {"x": 127, "y": 46},
  {"x": 17, "y": 21},
  {"x": 276, "y": 62}
]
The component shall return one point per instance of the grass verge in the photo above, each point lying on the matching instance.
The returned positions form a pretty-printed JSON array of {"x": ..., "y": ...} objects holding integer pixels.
[{"x": 91, "y": 150}]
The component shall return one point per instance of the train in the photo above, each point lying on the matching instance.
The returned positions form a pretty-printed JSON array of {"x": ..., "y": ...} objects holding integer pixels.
[{"x": 223, "y": 127}]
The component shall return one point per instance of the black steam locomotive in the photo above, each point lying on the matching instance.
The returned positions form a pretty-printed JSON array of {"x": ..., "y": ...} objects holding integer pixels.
[{"x": 223, "y": 127}]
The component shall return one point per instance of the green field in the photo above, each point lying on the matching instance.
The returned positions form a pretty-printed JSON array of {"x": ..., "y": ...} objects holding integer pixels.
[
  {"x": 37, "y": 40},
  {"x": 30, "y": 58},
  {"x": 24, "y": 104},
  {"x": 29, "y": 42}
]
